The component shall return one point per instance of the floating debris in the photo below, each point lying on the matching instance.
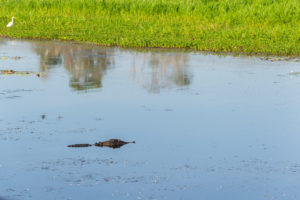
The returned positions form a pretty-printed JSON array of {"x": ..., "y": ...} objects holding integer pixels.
[
  {"x": 17, "y": 57},
  {"x": 286, "y": 59},
  {"x": 11, "y": 57},
  {"x": 5, "y": 72},
  {"x": 292, "y": 73},
  {"x": 13, "y": 72}
]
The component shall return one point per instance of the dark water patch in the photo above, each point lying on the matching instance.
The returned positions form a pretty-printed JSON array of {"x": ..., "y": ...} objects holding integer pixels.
[
  {"x": 13, "y": 94},
  {"x": 15, "y": 91}
]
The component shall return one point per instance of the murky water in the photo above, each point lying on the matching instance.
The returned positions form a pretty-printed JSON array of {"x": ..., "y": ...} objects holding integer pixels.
[{"x": 206, "y": 126}]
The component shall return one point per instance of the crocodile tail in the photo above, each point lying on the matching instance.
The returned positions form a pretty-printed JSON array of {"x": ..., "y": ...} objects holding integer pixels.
[{"x": 79, "y": 145}]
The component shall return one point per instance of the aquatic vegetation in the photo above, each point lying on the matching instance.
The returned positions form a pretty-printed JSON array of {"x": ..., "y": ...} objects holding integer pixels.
[{"x": 249, "y": 26}]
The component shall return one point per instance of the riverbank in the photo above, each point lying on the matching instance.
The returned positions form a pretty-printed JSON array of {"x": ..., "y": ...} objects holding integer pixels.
[{"x": 258, "y": 26}]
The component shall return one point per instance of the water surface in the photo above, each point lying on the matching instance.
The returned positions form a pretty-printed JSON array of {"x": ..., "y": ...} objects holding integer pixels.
[{"x": 206, "y": 126}]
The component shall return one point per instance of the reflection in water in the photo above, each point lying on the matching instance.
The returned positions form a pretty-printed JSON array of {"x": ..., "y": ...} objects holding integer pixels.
[
  {"x": 162, "y": 71},
  {"x": 86, "y": 65}
]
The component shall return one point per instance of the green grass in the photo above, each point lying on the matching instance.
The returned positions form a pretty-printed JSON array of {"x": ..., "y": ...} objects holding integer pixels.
[{"x": 250, "y": 26}]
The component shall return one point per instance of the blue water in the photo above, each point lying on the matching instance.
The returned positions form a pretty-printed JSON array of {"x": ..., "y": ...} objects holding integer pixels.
[{"x": 206, "y": 126}]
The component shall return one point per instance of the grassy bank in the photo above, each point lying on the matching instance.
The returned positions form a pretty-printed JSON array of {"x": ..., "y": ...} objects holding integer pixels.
[{"x": 249, "y": 26}]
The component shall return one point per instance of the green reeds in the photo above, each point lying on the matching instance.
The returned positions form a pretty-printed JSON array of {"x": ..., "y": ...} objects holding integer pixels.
[{"x": 248, "y": 26}]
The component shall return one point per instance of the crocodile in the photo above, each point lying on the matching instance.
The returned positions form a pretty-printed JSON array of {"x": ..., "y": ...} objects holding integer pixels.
[{"x": 112, "y": 143}]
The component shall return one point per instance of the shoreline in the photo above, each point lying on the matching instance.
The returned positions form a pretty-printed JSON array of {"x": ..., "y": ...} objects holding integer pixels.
[{"x": 182, "y": 50}]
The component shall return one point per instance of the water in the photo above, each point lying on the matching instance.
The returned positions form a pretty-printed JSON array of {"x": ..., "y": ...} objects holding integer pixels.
[{"x": 206, "y": 126}]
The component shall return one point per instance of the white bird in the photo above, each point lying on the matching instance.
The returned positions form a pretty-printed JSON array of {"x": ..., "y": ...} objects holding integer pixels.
[{"x": 10, "y": 23}]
